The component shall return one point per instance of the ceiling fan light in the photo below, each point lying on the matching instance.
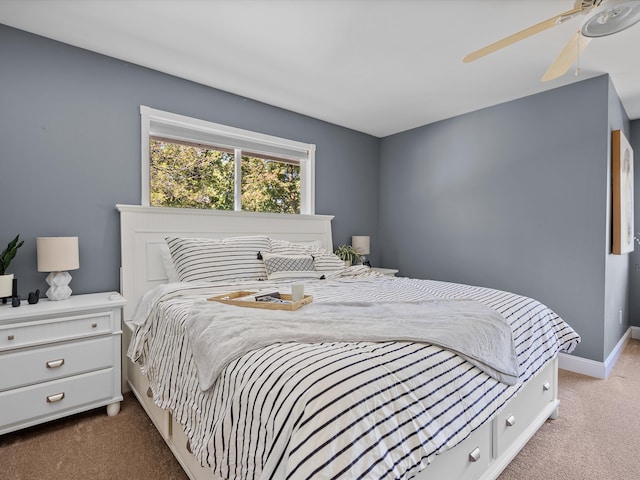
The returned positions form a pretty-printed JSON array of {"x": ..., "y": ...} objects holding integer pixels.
[{"x": 613, "y": 17}]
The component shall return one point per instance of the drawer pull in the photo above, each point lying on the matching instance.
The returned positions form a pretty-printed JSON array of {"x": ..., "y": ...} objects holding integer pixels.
[
  {"x": 94, "y": 325},
  {"x": 55, "y": 398},
  {"x": 10, "y": 337},
  {"x": 475, "y": 455},
  {"x": 149, "y": 393},
  {"x": 546, "y": 386},
  {"x": 511, "y": 421},
  {"x": 55, "y": 363}
]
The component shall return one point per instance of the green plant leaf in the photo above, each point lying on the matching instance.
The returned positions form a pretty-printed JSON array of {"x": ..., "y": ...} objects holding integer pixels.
[{"x": 9, "y": 254}]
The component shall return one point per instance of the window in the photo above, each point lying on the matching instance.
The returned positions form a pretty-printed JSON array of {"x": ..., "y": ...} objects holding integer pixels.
[{"x": 190, "y": 163}]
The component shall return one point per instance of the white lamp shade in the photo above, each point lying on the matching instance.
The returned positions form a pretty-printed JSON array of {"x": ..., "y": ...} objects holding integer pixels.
[
  {"x": 57, "y": 254},
  {"x": 360, "y": 244}
]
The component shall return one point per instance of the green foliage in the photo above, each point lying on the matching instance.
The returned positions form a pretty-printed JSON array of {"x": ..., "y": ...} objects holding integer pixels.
[
  {"x": 9, "y": 253},
  {"x": 269, "y": 186},
  {"x": 191, "y": 176},
  {"x": 348, "y": 254}
]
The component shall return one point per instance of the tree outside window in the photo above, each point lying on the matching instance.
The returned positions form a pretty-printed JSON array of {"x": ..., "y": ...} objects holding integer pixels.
[{"x": 189, "y": 175}]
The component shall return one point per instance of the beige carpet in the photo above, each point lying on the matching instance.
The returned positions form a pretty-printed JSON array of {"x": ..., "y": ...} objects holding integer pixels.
[
  {"x": 90, "y": 446},
  {"x": 597, "y": 437}
]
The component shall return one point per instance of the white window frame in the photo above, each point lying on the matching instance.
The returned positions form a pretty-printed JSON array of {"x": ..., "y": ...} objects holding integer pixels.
[{"x": 179, "y": 127}]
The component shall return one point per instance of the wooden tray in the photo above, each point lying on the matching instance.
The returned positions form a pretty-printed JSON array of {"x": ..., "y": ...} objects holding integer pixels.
[{"x": 233, "y": 299}]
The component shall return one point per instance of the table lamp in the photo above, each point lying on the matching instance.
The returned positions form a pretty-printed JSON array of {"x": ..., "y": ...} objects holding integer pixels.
[
  {"x": 361, "y": 244},
  {"x": 57, "y": 255}
]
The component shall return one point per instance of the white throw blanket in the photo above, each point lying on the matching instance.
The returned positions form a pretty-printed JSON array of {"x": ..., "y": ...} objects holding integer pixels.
[{"x": 221, "y": 333}]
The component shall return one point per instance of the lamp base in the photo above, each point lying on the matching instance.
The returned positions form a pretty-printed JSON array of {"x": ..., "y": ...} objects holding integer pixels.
[{"x": 58, "y": 285}]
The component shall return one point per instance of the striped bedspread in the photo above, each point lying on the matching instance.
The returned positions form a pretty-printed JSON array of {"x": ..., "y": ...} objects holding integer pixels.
[{"x": 344, "y": 410}]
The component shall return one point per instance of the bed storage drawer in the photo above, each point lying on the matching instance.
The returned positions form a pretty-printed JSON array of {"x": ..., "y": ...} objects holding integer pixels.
[
  {"x": 467, "y": 461},
  {"x": 140, "y": 386},
  {"x": 180, "y": 443},
  {"x": 536, "y": 396}
]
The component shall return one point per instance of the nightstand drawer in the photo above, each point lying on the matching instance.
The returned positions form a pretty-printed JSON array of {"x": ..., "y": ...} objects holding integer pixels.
[
  {"x": 27, "y": 366},
  {"x": 55, "y": 330},
  {"x": 51, "y": 399}
]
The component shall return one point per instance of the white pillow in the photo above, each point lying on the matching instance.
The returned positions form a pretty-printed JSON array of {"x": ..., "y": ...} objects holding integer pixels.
[
  {"x": 279, "y": 266},
  {"x": 327, "y": 261},
  {"x": 167, "y": 263},
  {"x": 313, "y": 244},
  {"x": 213, "y": 260},
  {"x": 324, "y": 261},
  {"x": 286, "y": 247}
]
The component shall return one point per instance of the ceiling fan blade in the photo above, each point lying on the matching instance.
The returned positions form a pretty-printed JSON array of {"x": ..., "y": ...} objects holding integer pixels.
[
  {"x": 567, "y": 57},
  {"x": 521, "y": 35}
]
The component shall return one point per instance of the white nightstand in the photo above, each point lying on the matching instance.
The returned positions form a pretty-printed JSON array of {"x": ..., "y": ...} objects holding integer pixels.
[
  {"x": 385, "y": 271},
  {"x": 58, "y": 358}
]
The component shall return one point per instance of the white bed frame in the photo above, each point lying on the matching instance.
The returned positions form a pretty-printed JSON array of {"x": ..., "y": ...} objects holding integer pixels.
[{"x": 483, "y": 455}]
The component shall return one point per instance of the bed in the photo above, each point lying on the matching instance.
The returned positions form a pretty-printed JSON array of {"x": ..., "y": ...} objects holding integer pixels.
[{"x": 337, "y": 407}]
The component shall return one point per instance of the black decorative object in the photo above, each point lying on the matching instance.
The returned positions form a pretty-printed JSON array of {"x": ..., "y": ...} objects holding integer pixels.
[
  {"x": 33, "y": 297},
  {"x": 14, "y": 293}
]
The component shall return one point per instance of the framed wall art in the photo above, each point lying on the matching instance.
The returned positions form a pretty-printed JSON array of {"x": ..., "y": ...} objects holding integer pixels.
[{"x": 622, "y": 178}]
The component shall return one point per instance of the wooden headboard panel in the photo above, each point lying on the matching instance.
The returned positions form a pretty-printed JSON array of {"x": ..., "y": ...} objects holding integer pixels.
[{"x": 143, "y": 230}]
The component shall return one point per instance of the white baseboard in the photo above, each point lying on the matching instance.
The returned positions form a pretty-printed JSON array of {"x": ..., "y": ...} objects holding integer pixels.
[
  {"x": 581, "y": 365},
  {"x": 593, "y": 368}
]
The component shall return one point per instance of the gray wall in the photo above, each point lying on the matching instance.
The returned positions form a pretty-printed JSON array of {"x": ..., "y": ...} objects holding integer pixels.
[
  {"x": 513, "y": 197},
  {"x": 634, "y": 267},
  {"x": 70, "y": 151},
  {"x": 616, "y": 293}
]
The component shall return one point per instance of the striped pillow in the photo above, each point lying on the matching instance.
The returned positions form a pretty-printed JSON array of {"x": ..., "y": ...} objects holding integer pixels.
[
  {"x": 289, "y": 266},
  {"x": 213, "y": 260},
  {"x": 324, "y": 261}
]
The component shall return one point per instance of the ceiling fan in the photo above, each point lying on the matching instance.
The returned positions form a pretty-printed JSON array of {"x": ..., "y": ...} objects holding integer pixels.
[{"x": 609, "y": 16}]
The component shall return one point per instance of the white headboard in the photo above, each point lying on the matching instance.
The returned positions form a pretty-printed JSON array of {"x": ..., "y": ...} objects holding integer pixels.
[{"x": 143, "y": 230}]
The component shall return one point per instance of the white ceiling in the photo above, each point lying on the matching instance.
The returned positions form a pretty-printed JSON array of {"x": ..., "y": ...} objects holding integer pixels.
[{"x": 376, "y": 66}]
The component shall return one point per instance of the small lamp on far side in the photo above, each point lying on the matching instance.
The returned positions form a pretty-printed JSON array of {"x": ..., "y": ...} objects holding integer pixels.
[
  {"x": 57, "y": 255},
  {"x": 361, "y": 244}
]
